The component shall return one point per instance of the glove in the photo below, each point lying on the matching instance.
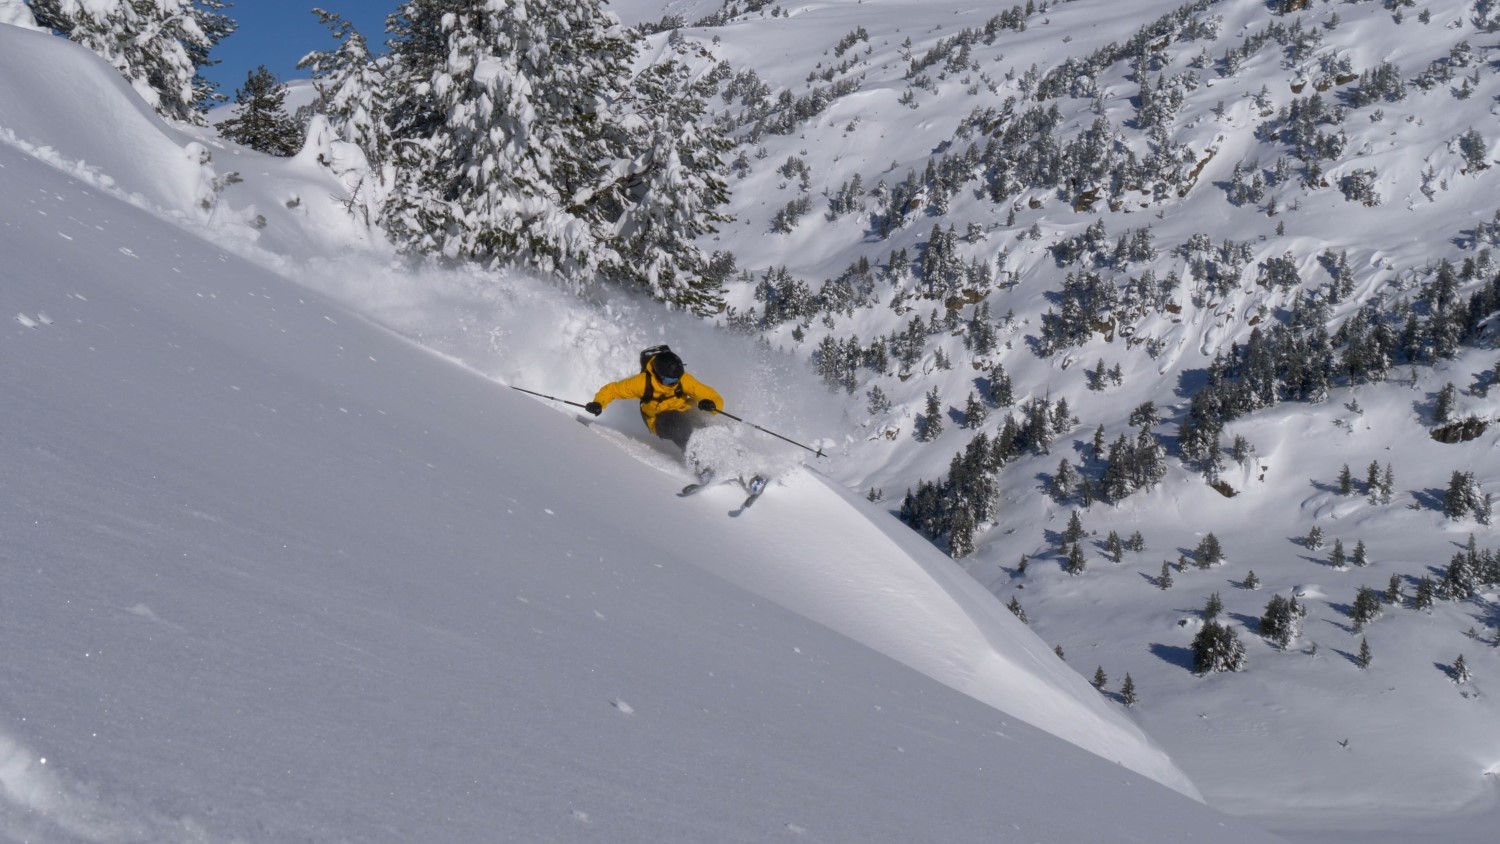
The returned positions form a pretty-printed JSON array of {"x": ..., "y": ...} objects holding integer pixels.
[
  {"x": 708, "y": 405},
  {"x": 594, "y": 408}
]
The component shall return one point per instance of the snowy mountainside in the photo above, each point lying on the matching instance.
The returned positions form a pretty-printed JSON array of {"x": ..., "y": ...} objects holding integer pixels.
[
  {"x": 252, "y": 539},
  {"x": 1283, "y": 163}
]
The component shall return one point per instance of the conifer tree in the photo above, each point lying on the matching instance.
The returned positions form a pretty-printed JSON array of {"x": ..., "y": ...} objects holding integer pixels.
[
  {"x": 1136, "y": 542},
  {"x": 1115, "y": 547},
  {"x": 1372, "y": 481},
  {"x": 518, "y": 136},
  {"x": 1346, "y": 481},
  {"x": 1425, "y": 594},
  {"x": 1442, "y": 409},
  {"x": 1364, "y": 658},
  {"x": 1209, "y": 552},
  {"x": 261, "y": 122},
  {"x": 1314, "y": 538},
  {"x": 1393, "y": 590},
  {"x": 1213, "y": 607},
  {"x": 671, "y": 190},
  {"x": 1281, "y": 622},
  {"x": 1100, "y": 678},
  {"x": 1164, "y": 580},
  {"x": 1128, "y": 694},
  {"x": 495, "y": 128},
  {"x": 1336, "y": 558},
  {"x": 932, "y": 417},
  {"x": 1217, "y": 648},
  {"x": 1251, "y": 581},
  {"x": 1366, "y": 607},
  {"x": 1074, "y": 531},
  {"x": 1076, "y": 564},
  {"x": 1063, "y": 481},
  {"x": 1015, "y": 607},
  {"x": 975, "y": 411},
  {"x": 1360, "y": 557},
  {"x": 1461, "y": 673},
  {"x": 961, "y": 531},
  {"x": 353, "y": 91},
  {"x": 1000, "y": 390}
]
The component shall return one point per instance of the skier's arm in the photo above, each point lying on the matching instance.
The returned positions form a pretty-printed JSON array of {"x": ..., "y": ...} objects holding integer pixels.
[
  {"x": 633, "y": 387},
  {"x": 700, "y": 391}
]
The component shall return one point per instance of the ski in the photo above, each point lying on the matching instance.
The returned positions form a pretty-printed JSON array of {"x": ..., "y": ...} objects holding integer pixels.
[
  {"x": 756, "y": 486},
  {"x": 704, "y": 480}
]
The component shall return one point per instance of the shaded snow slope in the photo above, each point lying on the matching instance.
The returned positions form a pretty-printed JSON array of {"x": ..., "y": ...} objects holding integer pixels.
[
  {"x": 273, "y": 573},
  {"x": 813, "y": 547}
]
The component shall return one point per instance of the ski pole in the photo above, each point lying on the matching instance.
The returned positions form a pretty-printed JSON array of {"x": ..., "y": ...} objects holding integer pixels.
[
  {"x": 550, "y": 398},
  {"x": 816, "y": 452}
]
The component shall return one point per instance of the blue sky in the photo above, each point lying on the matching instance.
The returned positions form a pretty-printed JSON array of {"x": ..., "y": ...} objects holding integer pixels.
[{"x": 278, "y": 33}]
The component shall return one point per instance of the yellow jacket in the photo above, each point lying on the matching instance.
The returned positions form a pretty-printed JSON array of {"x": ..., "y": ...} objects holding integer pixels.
[{"x": 684, "y": 395}]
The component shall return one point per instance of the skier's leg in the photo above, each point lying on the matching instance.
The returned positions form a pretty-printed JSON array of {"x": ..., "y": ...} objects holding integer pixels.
[{"x": 674, "y": 425}]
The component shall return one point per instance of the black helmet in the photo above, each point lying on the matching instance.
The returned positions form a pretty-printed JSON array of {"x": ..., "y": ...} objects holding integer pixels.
[{"x": 667, "y": 366}]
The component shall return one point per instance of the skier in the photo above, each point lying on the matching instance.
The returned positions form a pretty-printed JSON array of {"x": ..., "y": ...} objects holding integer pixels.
[{"x": 667, "y": 393}]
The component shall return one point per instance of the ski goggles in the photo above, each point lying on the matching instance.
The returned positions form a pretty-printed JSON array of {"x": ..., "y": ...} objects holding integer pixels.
[{"x": 670, "y": 382}]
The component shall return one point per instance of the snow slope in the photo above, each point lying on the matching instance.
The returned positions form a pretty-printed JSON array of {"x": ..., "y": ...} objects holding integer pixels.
[{"x": 275, "y": 572}]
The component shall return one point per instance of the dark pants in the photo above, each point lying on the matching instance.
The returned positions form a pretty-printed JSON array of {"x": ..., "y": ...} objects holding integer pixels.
[{"x": 675, "y": 425}]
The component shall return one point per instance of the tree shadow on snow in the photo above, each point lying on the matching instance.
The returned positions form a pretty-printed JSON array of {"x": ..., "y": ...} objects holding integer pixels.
[
  {"x": 1248, "y": 622},
  {"x": 1353, "y": 658},
  {"x": 1320, "y": 486},
  {"x": 1431, "y": 499},
  {"x": 1190, "y": 381},
  {"x": 1174, "y": 655}
]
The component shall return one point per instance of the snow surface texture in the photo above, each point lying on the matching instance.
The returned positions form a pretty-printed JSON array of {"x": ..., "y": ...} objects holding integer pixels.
[{"x": 274, "y": 573}]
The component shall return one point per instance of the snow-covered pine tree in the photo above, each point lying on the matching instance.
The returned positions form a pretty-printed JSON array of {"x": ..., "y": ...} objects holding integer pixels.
[
  {"x": 352, "y": 89},
  {"x": 1365, "y": 657},
  {"x": 669, "y": 193},
  {"x": 1461, "y": 673},
  {"x": 931, "y": 424},
  {"x": 1074, "y": 531},
  {"x": 158, "y": 45},
  {"x": 1367, "y": 607},
  {"x": 1425, "y": 594},
  {"x": 1213, "y": 607},
  {"x": 1281, "y": 623},
  {"x": 1393, "y": 590},
  {"x": 1337, "y": 558},
  {"x": 1164, "y": 580},
  {"x": 1115, "y": 546},
  {"x": 1015, "y": 607},
  {"x": 1063, "y": 481},
  {"x": 975, "y": 411},
  {"x": 506, "y": 145},
  {"x": 1101, "y": 680},
  {"x": 1128, "y": 695},
  {"x": 262, "y": 123},
  {"x": 1217, "y": 648},
  {"x": 1076, "y": 563},
  {"x": 1314, "y": 538},
  {"x": 961, "y": 531},
  {"x": 1209, "y": 552}
]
